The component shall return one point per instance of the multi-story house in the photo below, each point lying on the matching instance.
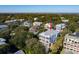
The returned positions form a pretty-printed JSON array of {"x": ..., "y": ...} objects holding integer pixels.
[
  {"x": 71, "y": 43},
  {"x": 48, "y": 38}
]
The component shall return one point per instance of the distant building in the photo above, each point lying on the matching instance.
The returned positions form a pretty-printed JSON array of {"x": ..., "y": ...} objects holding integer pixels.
[
  {"x": 71, "y": 43},
  {"x": 8, "y": 21},
  {"x": 36, "y": 18},
  {"x": 60, "y": 27},
  {"x": 26, "y": 24},
  {"x": 48, "y": 37},
  {"x": 78, "y": 22},
  {"x": 12, "y": 33},
  {"x": 37, "y": 23},
  {"x": 2, "y": 41},
  {"x": 21, "y": 20},
  {"x": 19, "y": 52},
  {"x": 3, "y": 27},
  {"x": 65, "y": 20},
  {"x": 12, "y": 22},
  {"x": 47, "y": 26},
  {"x": 34, "y": 29},
  {"x": 62, "y": 18}
]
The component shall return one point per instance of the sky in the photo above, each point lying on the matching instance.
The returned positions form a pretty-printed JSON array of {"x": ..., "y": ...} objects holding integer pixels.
[{"x": 39, "y": 8}]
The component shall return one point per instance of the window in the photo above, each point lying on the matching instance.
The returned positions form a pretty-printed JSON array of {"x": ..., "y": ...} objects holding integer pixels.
[
  {"x": 50, "y": 44},
  {"x": 71, "y": 45},
  {"x": 65, "y": 47},
  {"x": 43, "y": 40},
  {"x": 68, "y": 44},
  {"x": 74, "y": 50},
  {"x": 71, "y": 49},
  {"x": 72, "y": 41},
  {"x": 47, "y": 42},
  {"x": 66, "y": 39},
  {"x": 64, "y": 43},
  {"x": 78, "y": 42},
  {"x": 75, "y": 42},
  {"x": 75, "y": 46},
  {"x": 77, "y": 51},
  {"x": 69, "y": 40}
]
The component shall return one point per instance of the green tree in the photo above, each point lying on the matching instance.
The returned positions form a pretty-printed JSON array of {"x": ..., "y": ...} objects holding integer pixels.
[
  {"x": 33, "y": 46},
  {"x": 57, "y": 46}
]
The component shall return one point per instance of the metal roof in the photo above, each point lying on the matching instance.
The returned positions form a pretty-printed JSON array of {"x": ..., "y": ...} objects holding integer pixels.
[
  {"x": 1, "y": 43},
  {"x": 51, "y": 34},
  {"x": 3, "y": 26},
  {"x": 19, "y": 52},
  {"x": 2, "y": 39},
  {"x": 76, "y": 34}
]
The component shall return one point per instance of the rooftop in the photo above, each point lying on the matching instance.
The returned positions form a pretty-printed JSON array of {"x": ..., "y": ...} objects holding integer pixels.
[
  {"x": 3, "y": 26},
  {"x": 49, "y": 33},
  {"x": 19, "y": 52},
  {"x": 75, "y": 34},
  {"x": 2, "y": 40},
  {"x": 2, "y": 43}
]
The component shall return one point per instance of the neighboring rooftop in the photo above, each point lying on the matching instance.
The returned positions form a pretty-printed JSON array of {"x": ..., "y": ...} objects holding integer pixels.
[
  {"x": 73, "y": 36},
  {"x": 2, "y": 40},
  {"x": 76, "y": 34},
  {"x": 3, "y": 26},
  {"x": 2, "y": 43},
  {"x": 49, "y": 33},
  {"x": 19, "y": 52}
]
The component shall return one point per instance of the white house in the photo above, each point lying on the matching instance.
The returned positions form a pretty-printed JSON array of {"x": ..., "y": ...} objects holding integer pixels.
[
  {"x": 62, "y": 17},
  {"x": 48, "y": 37},
  {"x": 65, "y": 20},
  {"x": 34, "y": 29},
  {"x": 47, "y": 26},
  {"x": 26, "y": 24},
  {"x": 3, "y": 27},
  {"x": 71, "y": 43},
  {"x": 37, "y": 23},
  {"x": 36, "y": 18},
  {"x": 8, "y": 21},
  {"x": 2, "y": 41},
  {"x": 19, "y": 52},
  {"x": 60, "y": 27},
  {"x": 21, "y": 20}
]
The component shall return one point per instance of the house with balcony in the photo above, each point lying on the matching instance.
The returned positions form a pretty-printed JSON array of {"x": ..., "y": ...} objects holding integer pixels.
[
  {"x": 71, "y": 43},
  {"x": 60, "y": 27},
  {"x": 48, "y": 38}
]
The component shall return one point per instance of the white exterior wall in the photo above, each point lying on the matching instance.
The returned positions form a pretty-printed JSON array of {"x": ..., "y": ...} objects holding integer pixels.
[
  {"x": 45, "y": 42},
  {"x": 70, "y": 44},
  {"x": 47, "y": 26}
]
